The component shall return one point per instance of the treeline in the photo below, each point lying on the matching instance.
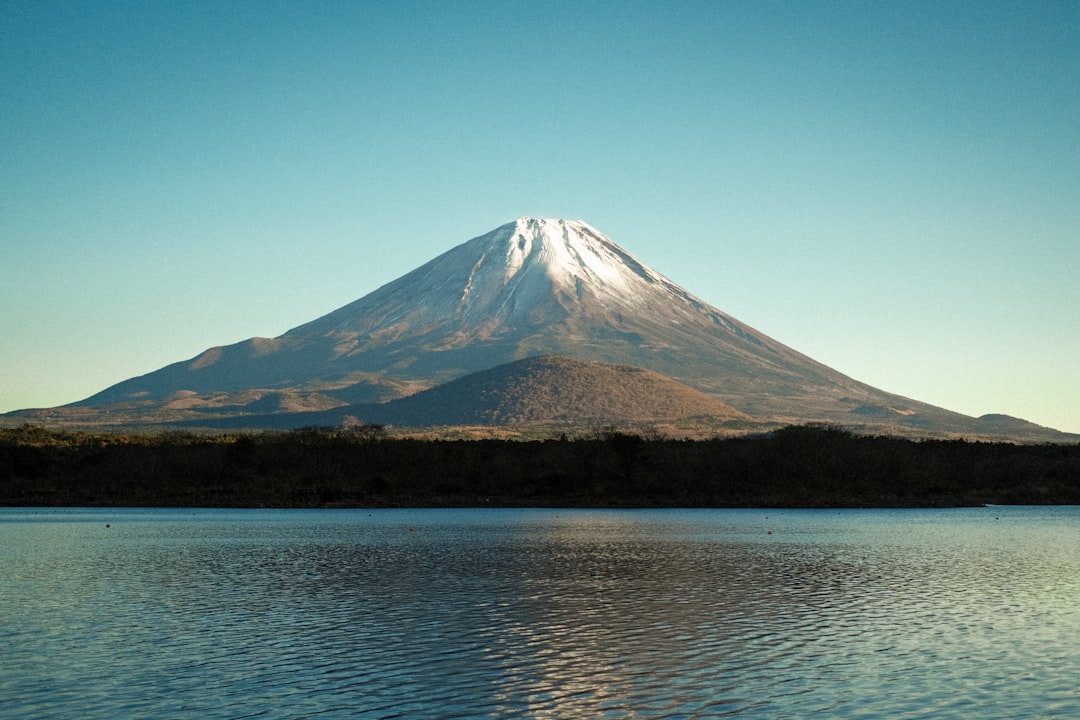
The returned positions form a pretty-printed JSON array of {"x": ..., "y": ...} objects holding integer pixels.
[{"x": 362, "y": 467}]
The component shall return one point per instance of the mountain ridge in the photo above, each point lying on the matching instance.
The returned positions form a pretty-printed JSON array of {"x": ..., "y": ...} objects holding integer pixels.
[
  {"x": 499, "y": 298},
  {"x": 530, "y": 287},
  {"x": 541, "y": 390}
]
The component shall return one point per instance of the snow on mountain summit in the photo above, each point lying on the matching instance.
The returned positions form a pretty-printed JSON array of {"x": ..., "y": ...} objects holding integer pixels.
[
  {"x": 527, "y": 273},
  {"x": 570, "y": 252},
  {"x": 547, "y": 256}
]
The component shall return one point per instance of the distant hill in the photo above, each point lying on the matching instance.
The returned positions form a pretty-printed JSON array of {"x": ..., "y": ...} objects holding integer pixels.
[
  {"x": 549, "y": 389},
  {"x": 542, "y": 390}
]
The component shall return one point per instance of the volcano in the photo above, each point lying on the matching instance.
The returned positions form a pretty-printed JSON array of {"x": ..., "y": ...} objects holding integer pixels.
[{"x": 528, "y": 288}]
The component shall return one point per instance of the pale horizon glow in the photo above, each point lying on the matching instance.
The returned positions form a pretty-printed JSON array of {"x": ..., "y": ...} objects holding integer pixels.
[{"x": 890, "y": 188}]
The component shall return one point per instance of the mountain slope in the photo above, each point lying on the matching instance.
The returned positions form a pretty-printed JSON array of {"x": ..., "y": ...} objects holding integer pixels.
[
  {"x": 531, "y": 287},
  {"x": 542, "y": 390},
  {"x": 550, "y": 388}
]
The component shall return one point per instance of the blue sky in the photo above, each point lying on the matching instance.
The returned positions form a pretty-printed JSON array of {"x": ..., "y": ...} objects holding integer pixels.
[{"x": 892, "y": 188}]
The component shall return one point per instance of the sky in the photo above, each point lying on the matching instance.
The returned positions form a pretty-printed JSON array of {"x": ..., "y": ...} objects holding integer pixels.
[{"x": 892, "y": 188}]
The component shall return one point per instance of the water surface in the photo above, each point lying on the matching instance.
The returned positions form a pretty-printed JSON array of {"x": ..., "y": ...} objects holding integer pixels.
[{"x": 540, "y": 613}]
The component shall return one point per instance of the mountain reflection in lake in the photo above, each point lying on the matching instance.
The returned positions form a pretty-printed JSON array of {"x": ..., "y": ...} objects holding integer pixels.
[{"x": 540, "y": 613}]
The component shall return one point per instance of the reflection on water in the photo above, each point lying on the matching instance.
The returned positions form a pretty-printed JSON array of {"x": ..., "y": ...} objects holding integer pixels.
[{"x": 538, "y": 614}]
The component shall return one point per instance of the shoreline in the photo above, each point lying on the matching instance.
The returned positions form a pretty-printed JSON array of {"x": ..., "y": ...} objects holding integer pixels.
[{"x": 796, "y": 467}]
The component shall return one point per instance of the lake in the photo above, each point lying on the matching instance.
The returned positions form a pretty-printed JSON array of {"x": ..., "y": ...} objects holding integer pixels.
[{"x": 136, "y": 613}]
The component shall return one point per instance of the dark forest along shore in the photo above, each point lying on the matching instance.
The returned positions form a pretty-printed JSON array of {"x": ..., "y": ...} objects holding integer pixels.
[
  {"x": 792, "y": 467},
  {"x": 124, "y": 613}
]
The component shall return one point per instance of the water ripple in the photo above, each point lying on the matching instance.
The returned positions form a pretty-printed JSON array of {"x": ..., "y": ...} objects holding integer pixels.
[{"x": 542, "y": 615}]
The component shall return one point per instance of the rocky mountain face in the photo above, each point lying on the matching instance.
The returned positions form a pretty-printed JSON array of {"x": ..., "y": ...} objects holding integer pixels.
[
  {"x": 549, "y": 389},
  {"x": 552, "y": 389},
  {"x": 531, "y": 287}
]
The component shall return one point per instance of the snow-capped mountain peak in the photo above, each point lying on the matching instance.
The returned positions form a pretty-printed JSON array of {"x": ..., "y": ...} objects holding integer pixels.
[
  {"x": 531, "y": 287},
  {"x": 525, "y": 275},
  {"x": 565, "y": 255}
]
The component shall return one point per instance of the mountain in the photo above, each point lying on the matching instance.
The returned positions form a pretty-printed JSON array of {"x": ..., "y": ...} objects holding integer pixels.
[
  {"x": 531, "y": 287},
  {"x": 547, "y": 389},
  {"x": 553, "y": 388}
]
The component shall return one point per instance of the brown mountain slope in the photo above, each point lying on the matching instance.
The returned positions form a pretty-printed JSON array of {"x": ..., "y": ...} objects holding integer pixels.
[
  {"x": 550, "y": 388},
  {"x": 542, "y": 390}
]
